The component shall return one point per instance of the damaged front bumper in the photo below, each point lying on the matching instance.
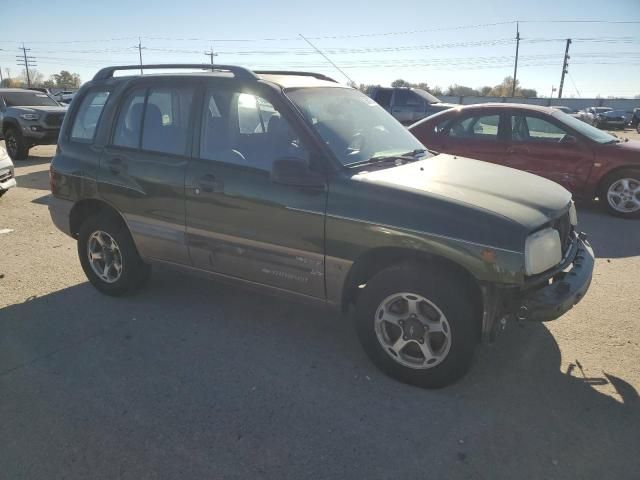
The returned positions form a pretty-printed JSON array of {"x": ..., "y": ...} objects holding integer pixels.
[{"x": 543, "y": 298}]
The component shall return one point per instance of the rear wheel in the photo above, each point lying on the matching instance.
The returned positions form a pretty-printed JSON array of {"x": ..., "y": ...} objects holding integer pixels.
[
  {"x": 620, "y": 194},
  {"x": 109, "y": 256},
  {"x": 17, "y": 147},
  {"x": 418, "y": 326}
]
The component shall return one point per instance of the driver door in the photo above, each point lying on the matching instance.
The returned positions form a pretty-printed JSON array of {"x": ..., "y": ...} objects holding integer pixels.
[
  {"x": 240, "y": 223},
  {"x": 538, "y": 146}
]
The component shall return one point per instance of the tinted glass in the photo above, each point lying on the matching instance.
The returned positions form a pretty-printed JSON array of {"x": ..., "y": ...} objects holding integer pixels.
[
  {"x": 478, "y": 127},
  {"x": 527, "y": 128},
  {"x": 383, "y": 97},
  {"x": 129, "y": 124},
  {"x": 247, "y": 130},
  {"x": 407, "y": 98},
  {"x": 28, "y": 99},
  {"x": 86, "y": 121},
  {"x": 166, "y": 120}
]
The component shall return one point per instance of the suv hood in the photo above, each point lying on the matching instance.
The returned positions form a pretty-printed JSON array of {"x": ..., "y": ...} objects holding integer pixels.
[
  {"x": 524, "y": 198},
  {"x": 43, "y": 109}
]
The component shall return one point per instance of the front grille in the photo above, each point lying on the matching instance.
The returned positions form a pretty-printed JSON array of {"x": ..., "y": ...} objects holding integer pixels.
[
  {"x": 54, "y": 119},
  {"x": 564, "y": 228},
  {"x": 4, "y": 176}
]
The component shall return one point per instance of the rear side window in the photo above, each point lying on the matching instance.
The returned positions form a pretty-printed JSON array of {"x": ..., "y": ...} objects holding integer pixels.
[
  {"x": 407, "y": 98},
  {"x": 129, "y": 124},
  {"x": 88, "y": 116},
  {"x": 166, "y": 120},
  {"x": 156, "y": 119}
]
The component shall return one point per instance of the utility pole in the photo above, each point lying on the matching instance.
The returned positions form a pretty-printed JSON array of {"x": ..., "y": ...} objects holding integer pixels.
[
  {"x": 140, "y": 48},
  {"x": 328, "y": 59},
  {"x": 211, "y": 54},
  {"x": 565, "y": 65},
  {"x": 515, "y": 67},
  {"x": 26, "y": 61}
]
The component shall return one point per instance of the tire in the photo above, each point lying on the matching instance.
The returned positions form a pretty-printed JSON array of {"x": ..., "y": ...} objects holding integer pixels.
[
  {"x": 133, "y": 272},
  {"x": 2, "y": 192},
  {"x": 17, "y": 147},
  {"x": 613, "y": 186},
  {"x": 440, "y": 293}
]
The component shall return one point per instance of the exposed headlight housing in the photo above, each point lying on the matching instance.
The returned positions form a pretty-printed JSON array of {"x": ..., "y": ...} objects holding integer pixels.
[
  {"x": 542, "y": 250},
  {"x": 30, "y": 116},
  {"x": 573, "y": 214}
]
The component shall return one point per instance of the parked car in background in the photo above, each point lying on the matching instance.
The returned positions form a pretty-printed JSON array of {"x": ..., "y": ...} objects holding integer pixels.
[
  {"x": 295, "y": 184},
  {"x": 28, "y": 118},
  {"x": 567, "y": 110},
  {"x": 589, "y": 114},
  {"x": 588, "y": 162},
  {"x": 7, "y": 176},
  {"x": 65, "y": 96},
  {"x": 610, "y": 119},
  {"x": 408, "y": 105}
]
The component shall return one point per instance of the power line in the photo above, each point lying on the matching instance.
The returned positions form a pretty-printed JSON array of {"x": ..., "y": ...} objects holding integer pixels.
[
  {"x": 328, "y": 59},
  {"x": 574, "y": 83}
]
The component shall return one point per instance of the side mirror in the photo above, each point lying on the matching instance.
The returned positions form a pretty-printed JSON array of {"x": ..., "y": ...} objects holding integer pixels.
[
  {"x": 296, "y": 173},
  {"x": 569, "y": 140}
]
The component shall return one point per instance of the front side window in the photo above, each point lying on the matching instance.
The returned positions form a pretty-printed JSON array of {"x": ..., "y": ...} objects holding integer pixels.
[
  {"x": 383, "y": 97},
  {"x": 352, "y": 125},
  {"x": 245, "y": 129},
  {"x": 476, "y": 127},
  {"x": 529, "y": 128},
  {"x": 88, "y": 116}
]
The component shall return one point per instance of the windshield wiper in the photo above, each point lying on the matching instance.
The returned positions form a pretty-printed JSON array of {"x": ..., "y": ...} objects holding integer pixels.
[{"x": 399, "y": 159}]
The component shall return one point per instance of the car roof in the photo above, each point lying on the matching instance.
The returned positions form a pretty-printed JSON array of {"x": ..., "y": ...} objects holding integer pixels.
[
  {"x": 501, "y": 105},
  {"x": 282, "y": 78}
]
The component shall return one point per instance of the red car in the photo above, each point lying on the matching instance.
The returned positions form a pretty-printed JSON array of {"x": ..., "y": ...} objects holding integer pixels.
[{"x": 588, "y": 162}]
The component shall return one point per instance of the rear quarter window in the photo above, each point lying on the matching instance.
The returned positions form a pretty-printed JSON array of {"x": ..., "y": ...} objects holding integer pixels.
[{"x": 88, "y": 116}]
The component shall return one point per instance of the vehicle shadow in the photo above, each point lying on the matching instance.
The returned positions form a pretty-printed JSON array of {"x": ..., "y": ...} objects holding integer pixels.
[
  {"x": 611, "y": 237},
  {"x": 194, "y": 379},
  {"x": 38, "y": 180}
]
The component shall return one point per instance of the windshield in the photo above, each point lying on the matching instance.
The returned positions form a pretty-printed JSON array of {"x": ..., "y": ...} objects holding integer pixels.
[
  {"x": 584, "y": 128},
  {"x": 427, "y": 96},
  {"x": 354, "y": 126},
  {"x": 28, "y": 99}
]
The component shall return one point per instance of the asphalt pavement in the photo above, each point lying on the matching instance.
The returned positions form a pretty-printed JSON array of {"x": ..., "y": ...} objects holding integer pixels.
[{"x": 193, "y": 379}]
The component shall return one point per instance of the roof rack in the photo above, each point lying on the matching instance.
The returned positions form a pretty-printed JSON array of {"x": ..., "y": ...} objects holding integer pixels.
[
  {"x": 239, "y": 72},
  {"x": 319, "y": 76}
]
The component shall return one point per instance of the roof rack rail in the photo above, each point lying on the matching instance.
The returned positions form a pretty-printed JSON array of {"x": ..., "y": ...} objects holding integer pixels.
[
  {"x": 239, "y": 72},
  {"x": 319, "y": 76}
]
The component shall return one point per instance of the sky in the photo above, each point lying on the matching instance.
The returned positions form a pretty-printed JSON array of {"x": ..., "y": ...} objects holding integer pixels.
[{"x": 467, "y": 42}]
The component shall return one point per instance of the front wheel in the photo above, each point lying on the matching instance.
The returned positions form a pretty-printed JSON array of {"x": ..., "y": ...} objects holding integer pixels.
[
  {"x": 418, "y": 326},
  {"x": 109, "y": 256},
  {"x": 621, "y": 194},
  {"x": 17, "y": 147}
]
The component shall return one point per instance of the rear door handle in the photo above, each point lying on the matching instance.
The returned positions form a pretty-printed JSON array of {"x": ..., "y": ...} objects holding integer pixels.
[{"x": 209, "y": 184}]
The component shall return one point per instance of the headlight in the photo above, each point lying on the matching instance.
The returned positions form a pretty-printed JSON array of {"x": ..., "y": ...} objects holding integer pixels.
[
  {"x": 30, "y": 116},
  {"x": 573, "y": 214},
  {"x": 542, "y": 251}
]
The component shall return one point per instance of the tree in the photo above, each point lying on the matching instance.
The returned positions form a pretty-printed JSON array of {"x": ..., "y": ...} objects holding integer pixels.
[
  {"x": 66, "y": 79},
  {"x": 400, "y": 83},
  {"x": 366, "y": 88},
  {"x": 527, "y": 92},
  {"x": 485, "y": 91},
  {"x": 504, "y": 89},
  {"x": 10, "y": 83},
  {"x": 34, "y": 75},
  {"x": 461, "y": 90}
]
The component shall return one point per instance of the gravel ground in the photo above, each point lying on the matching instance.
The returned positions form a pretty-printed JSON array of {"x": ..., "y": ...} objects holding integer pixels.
[{"x": 193, "y": 379}]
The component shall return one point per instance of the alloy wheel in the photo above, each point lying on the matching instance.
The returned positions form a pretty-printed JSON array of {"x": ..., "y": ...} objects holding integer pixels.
[
  {"x": 412, "y": 330},
  {"x": 105, "y": 256},
  {"x": 623, "y": 195}
]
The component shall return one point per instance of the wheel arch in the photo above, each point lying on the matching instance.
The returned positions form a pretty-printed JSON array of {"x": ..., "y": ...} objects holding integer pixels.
[
  {"x": 83, "y": 209},
  {"x": 375, "y": 260},
  {"x": 9, "y": 123},
  {"x": 611, "y": 173}
]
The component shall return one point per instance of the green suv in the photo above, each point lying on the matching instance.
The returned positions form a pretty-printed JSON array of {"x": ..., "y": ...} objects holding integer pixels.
[{"x": 292, "y": 183}]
